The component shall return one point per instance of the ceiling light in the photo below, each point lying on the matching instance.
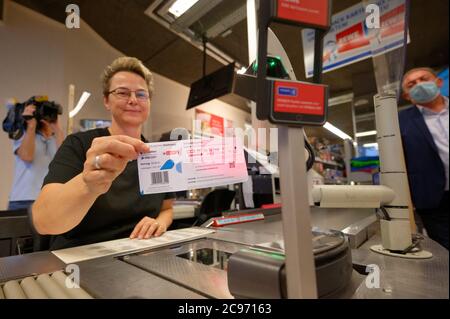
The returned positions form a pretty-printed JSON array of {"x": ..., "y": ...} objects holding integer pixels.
[
  {"x": 361, "y": 102},
  {"x": 226, "y": 33},
  {"x": 242, "y": 70},
  {"x": 252, "y": 34},
  {"x": 181, "y": 6},
  {"x": 367, "y": 133},
  {"x": 346, "y": 98},
  {"x": 333, "y": 129},
  {"x": 80, "y": 104}
]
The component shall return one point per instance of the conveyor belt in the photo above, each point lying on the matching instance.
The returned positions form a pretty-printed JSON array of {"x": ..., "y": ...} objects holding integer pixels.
[{"x": 44, "y": 286}]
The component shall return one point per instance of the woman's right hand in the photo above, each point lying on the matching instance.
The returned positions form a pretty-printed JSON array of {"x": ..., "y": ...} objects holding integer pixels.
[
  {"x": 29, "y": 111},
  {"x": 107, "y": 158}
]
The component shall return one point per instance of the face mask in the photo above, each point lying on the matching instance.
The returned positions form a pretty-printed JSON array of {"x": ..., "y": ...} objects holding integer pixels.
[{"x": 424, "y": 92}]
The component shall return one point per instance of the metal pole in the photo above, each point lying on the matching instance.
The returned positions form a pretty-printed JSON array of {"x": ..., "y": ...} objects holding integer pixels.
[
  {"x": 300, "y": 268},
  {"x": 393, "y": 173},
  {"x": 318, "y": 55},
  {"x": 355, "y": 129}
]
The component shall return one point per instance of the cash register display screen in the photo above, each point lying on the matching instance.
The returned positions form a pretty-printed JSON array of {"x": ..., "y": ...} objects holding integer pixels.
[
  {"x": 299, "y": 98},
  {"x": 299, "y": 102}
]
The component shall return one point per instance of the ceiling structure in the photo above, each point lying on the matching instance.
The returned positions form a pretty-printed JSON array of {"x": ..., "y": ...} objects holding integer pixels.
[{"x": 125, "y": 25}]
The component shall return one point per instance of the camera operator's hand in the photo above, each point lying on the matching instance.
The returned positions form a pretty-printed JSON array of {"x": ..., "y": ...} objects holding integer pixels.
[
  {"x": 107, "y": 158},
  {"x": 27, "y": 147},
  {"x": 29, "y": 111},
  {"x": 56, "y": 129}
]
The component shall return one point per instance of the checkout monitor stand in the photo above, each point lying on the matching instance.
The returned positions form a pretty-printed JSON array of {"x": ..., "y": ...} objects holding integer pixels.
[
  {"x": 318, "y": 265},
  {"x": 308, "y": 264}
]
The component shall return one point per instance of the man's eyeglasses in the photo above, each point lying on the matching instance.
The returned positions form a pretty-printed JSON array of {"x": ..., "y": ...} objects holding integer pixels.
[{"x": 125, "y": 94}]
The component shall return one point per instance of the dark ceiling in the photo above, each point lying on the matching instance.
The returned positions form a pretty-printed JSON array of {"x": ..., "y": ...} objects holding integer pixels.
[{"x": 124, "y": 25}]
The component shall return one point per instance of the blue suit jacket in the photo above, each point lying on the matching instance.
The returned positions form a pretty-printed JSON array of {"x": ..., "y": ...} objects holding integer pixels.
[{"x": 426, "y": 171}]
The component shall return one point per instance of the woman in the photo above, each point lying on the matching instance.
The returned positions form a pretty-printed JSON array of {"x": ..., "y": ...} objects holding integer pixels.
[{"x": 91, "y": 193}]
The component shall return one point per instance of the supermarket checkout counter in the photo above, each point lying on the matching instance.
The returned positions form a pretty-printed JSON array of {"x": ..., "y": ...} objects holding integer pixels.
[{"x": 212, "y": 263}]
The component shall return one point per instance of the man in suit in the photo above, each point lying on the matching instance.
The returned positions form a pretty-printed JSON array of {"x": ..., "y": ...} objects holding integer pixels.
[{"x": 424, "y": 130}]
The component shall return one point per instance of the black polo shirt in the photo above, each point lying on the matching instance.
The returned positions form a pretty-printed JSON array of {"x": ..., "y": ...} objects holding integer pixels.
[{"x": 115, "y": 213}]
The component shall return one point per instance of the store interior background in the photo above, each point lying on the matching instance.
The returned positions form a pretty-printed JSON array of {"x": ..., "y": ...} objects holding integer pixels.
[{"x": 40, "y": 56}]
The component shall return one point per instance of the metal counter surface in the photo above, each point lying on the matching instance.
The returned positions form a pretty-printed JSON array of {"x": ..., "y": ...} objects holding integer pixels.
[
  {"x": 399, "y": 277},
  {"x": 20, "y": 266},
  {"x": 112, "y": 278},
  {"x": 405, "y": 278},
  {"x": 136, "y": 277}
]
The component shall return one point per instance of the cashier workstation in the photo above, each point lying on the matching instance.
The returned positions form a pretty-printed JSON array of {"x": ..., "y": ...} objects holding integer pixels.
[{"x": 285, "y": 239}]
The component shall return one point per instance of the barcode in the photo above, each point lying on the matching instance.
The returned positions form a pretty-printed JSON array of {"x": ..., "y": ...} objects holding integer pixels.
[{"x": 160, "y": 178}]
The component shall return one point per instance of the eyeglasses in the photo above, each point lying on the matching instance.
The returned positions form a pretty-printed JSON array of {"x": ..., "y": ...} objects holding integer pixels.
[{"x": 125, "y": 94}]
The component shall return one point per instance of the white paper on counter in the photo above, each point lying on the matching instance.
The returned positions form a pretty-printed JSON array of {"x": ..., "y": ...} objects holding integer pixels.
[{"x": 126, "y": 245}]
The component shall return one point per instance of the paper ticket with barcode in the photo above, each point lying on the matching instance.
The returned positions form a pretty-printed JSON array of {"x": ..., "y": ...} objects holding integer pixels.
[{"x": 192, "y": 164}]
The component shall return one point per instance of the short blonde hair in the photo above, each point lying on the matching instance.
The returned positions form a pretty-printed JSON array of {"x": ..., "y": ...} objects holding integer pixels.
[{"x": 128, "y": 64}]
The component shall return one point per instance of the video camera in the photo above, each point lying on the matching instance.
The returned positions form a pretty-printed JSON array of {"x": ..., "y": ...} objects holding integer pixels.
[{"x": 15, "y": 123}]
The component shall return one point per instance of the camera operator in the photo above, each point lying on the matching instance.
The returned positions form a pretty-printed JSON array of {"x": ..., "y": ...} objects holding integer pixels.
[{"x": 33, "y": 152}]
